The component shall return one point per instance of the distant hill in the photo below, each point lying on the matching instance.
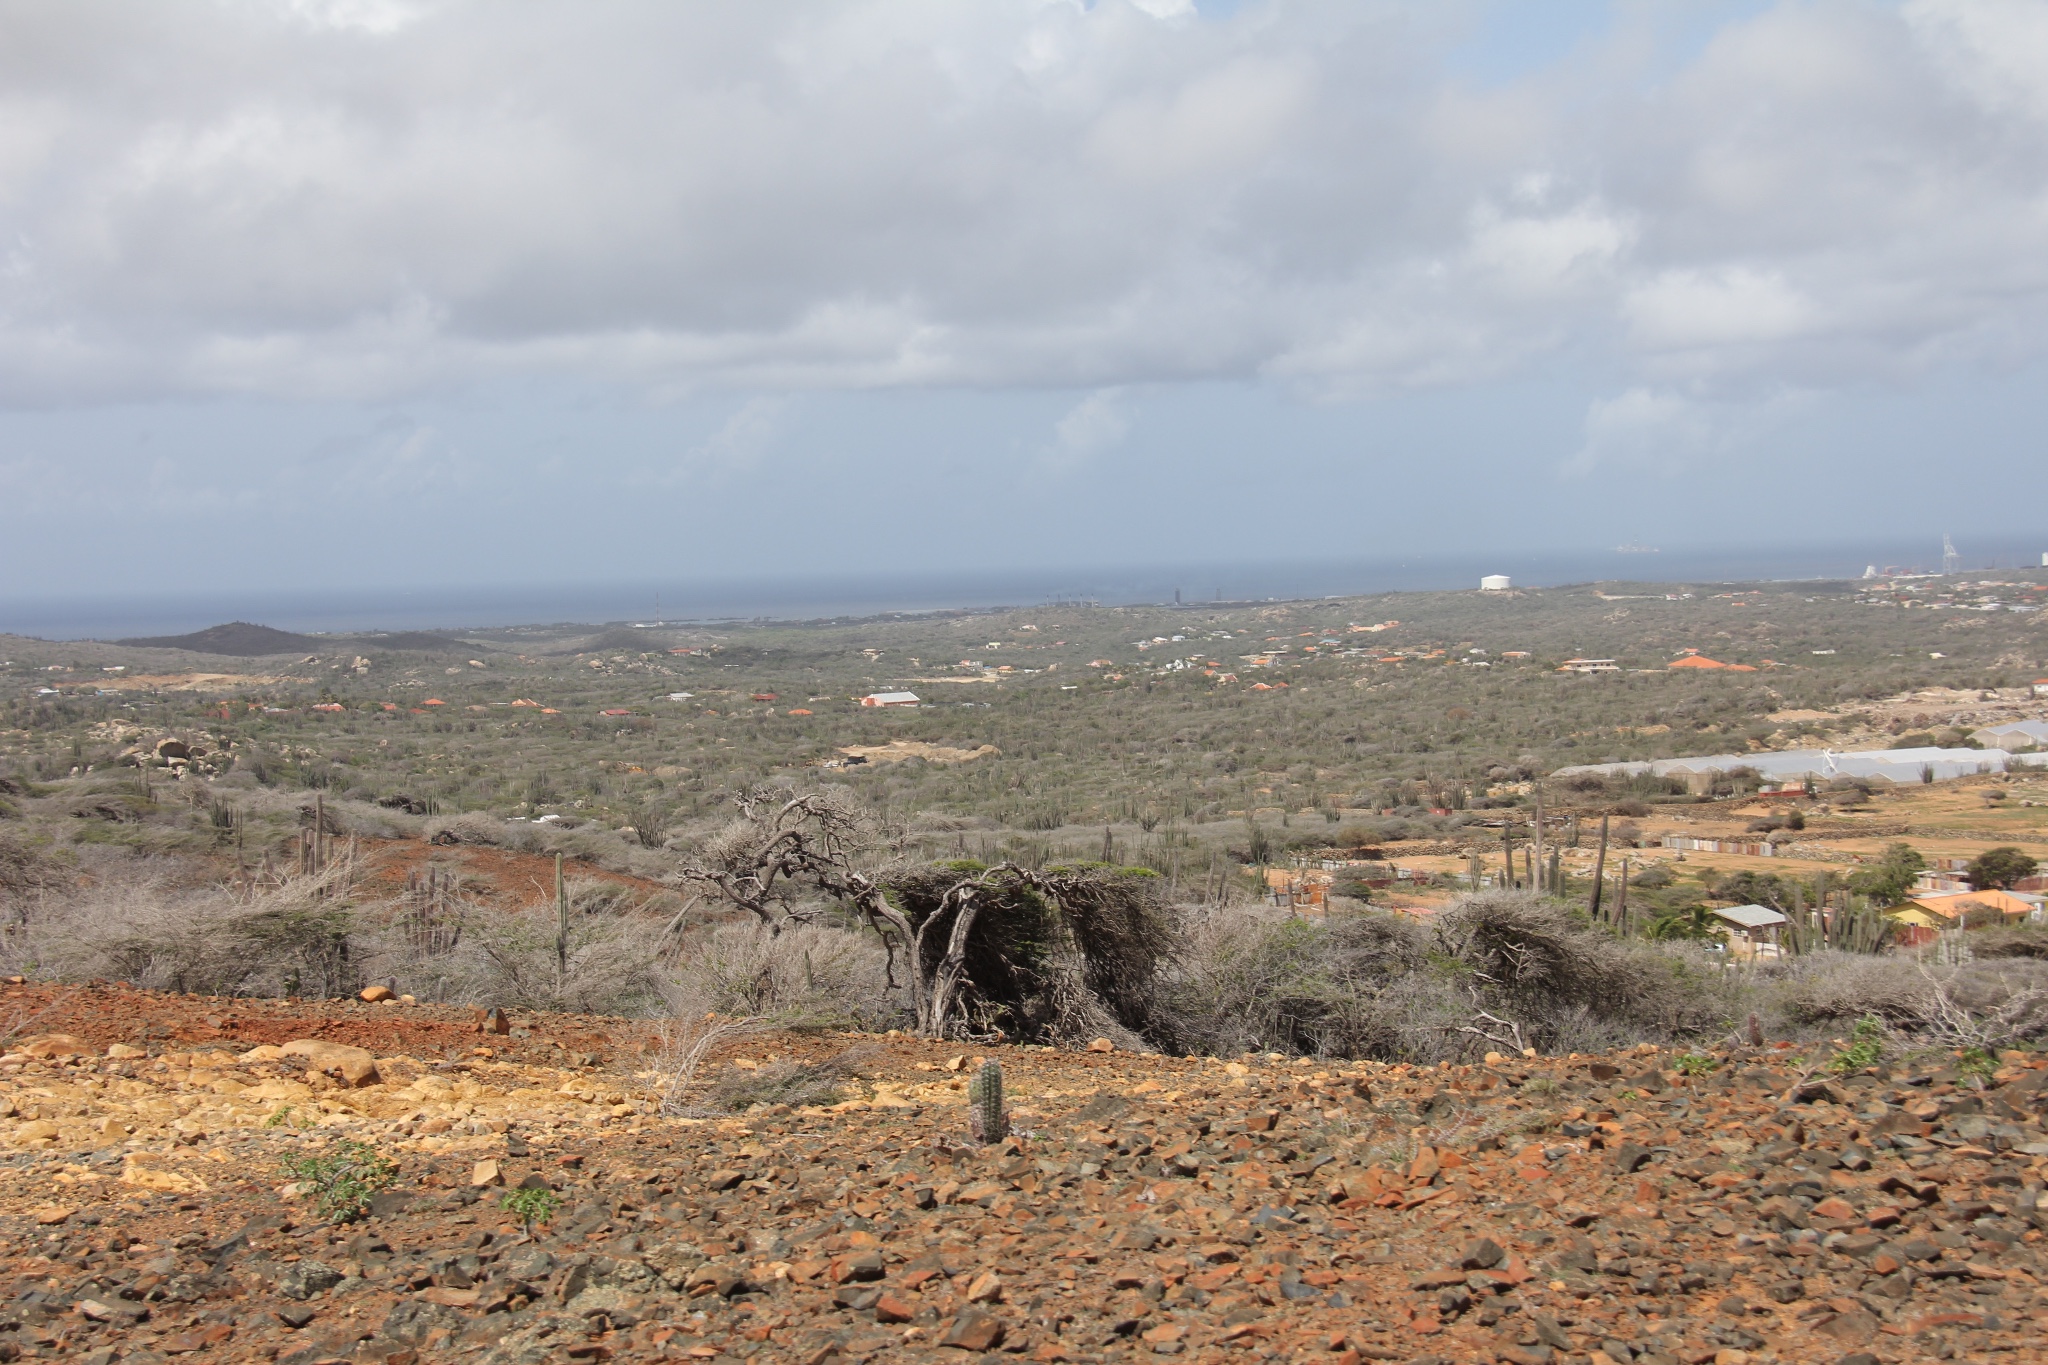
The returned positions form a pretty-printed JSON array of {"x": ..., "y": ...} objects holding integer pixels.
[
  {"x": 244, "y": 639},
  {"x": 240, "y": 638}
]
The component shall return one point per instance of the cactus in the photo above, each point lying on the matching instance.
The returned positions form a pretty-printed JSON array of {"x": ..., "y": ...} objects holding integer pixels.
[{"x": 985, "y": 1117}]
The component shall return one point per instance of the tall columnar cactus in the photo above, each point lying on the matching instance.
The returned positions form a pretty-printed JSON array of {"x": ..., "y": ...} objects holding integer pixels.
[{"x": 986, "y": 1118}]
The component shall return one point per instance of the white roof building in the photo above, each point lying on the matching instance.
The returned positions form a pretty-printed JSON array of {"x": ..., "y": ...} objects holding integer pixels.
[
  {"x": 890, "y": 699},
  {"x": 1891, "y": 765},
  {"x": 1750, "y": 918},
  {"x": 2018, "y": 734}
]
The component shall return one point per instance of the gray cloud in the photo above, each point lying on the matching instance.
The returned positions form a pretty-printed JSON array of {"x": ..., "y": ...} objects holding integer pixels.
[{"x": 366, "y": 198}]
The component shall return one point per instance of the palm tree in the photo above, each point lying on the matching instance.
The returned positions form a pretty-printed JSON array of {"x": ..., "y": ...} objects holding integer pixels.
[{"x": 1691, "y": 922}]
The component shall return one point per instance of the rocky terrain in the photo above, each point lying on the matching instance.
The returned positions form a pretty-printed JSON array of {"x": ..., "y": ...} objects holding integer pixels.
[{"x": 1735, "y": 1207}]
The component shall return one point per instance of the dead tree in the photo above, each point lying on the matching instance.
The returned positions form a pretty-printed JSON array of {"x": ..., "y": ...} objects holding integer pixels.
[
  {"x": 1048, "y": 950},
  {"x": 789, "y": 853}
]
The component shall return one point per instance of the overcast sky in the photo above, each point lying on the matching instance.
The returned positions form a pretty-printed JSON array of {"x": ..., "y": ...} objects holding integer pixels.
[{"x": 375, "y": 292}]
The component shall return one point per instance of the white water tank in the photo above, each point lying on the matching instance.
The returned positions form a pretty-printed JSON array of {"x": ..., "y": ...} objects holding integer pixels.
[{"x": 1496, "y": 582}]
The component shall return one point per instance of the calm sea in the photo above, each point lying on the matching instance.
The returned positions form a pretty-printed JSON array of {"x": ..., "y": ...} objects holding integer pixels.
[{"x": 817, "y": 597}]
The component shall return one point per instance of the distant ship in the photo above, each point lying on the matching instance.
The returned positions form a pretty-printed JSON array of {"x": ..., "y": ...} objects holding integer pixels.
[{"x": 1633, "y": 549}]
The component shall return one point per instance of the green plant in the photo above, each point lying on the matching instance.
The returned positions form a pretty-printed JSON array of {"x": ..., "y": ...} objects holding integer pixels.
[
  {"x": 1864, "y": 1048},
  {"x": 1976, "y": 1064},
  {"x": 344, "y": 1177},
  {"x": 1696, "y": 1064},
  {"x": 986, "y": 1118},
  {"x": 279, "y": 1117},
  {"x": 531, "y": 1204}
]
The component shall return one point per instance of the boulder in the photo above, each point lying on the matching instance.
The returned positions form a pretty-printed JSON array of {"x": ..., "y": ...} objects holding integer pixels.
[
  {"x": 352, "y": 1066},
  {"x": 57, "y": 1045}
]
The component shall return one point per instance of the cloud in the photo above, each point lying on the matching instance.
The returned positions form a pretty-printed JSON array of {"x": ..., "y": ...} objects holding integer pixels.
[
  {"x": 362, "y": 199},
  {"x": 1642, "y": 428},
  {"x": 1093, "y": 425},
  {"x": 1731, "y": 306},
  {"x": 742, "y": 441},
  {"x": 1665, "y": 432}
]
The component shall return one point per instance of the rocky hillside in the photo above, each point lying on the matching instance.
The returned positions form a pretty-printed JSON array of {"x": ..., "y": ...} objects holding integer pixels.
[{"x": 180, "y": 1176}]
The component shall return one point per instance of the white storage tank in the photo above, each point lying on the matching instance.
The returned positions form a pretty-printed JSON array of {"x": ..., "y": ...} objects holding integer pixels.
[{"x": 1496, "y": 582}]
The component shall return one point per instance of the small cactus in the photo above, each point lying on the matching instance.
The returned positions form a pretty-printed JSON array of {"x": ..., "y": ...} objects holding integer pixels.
[{"x": 986, "y": 1120}]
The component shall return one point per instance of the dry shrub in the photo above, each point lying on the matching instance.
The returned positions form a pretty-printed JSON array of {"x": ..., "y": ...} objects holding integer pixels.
[
  {"x": 2018, "y": 942},
  {"x": 294, "y": 936},
  {"x": 1255, "y": 979},
  {"x": 1826, "y": 987},
  {"x": 789, "y": 1082},
  {"x": 807, "y": 976},
  {"x": 1992, "y": 1002},
  {"x": 1536, "y": 961},
  {"x": 484, "y": 831},
  {"x": 1495, "y": 969},
  {"x": 28, "y": 872},
  {"x": 685, "y": 1043},
  {"x": 608, "y": 962}
]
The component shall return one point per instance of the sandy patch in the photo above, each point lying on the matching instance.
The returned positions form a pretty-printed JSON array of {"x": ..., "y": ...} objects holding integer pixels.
[
  {"x": 897, "y": 750},
  {"x": 208, "y": 682}
]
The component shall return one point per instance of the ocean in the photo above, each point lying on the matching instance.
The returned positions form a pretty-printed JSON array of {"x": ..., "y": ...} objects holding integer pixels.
[{"x": 810, "y": 597}]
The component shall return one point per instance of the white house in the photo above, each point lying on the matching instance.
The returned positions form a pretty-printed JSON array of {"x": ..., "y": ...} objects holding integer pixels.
[
  {"x": 1496, "y": 582},
  {"x": 1753, "y": 929}
]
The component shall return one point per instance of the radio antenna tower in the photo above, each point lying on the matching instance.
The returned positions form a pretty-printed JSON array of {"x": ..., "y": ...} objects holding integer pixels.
[{"x": 1951, "y": 562}]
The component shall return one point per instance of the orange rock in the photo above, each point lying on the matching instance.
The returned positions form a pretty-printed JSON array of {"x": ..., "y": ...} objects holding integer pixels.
[
  {"x": 974, "y": 1330},
  {"x": 56, "y": 1045}
]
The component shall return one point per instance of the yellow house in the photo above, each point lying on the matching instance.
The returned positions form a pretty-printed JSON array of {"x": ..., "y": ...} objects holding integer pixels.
[{"x": 1946, "y": 909}]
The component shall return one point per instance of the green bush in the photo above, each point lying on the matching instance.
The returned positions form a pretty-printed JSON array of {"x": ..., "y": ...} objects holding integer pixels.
[
  {"x": 531, "y": 1204},
  {"x": 344, "y": 1178}
]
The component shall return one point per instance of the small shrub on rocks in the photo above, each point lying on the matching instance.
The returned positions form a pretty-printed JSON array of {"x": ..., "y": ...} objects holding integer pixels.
[{"x": 344, "y": 1178}]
